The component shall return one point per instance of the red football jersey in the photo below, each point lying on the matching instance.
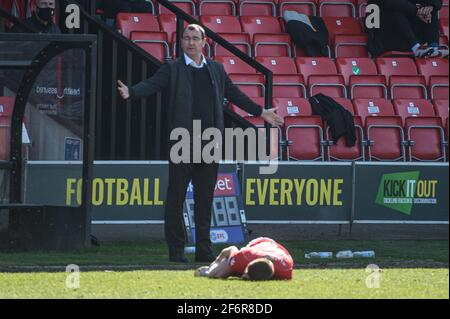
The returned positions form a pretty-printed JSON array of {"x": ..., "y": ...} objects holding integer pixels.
[{"x": 259, "y": 248}]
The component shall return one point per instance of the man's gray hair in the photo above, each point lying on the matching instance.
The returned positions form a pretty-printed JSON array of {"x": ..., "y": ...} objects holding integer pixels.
[{"x": 192, "y": 27}]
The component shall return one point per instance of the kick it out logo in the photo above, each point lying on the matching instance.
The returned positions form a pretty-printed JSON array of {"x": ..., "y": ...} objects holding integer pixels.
[{"x": 401, "y": 191}]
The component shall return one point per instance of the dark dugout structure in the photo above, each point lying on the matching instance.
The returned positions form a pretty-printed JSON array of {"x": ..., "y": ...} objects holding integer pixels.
[{"x": 32, "y": 68}]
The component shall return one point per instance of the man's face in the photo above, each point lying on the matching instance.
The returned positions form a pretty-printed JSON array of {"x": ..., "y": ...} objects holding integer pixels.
[
  {"x": 192, "y": 43},
  {"x": 45, "y": 4}
]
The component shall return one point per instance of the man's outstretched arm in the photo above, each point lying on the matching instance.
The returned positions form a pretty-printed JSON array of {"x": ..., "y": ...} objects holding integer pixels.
[
  {"x": 237, "y": 97},
  {"x": 158, "y": 82}
]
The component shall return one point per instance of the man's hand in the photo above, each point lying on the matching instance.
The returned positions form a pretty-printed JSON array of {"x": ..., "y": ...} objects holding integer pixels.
[
  {"x": 123, "y": 90},
  {"x": 271, "y": 117},
  {"x": 424, "y": 14}
]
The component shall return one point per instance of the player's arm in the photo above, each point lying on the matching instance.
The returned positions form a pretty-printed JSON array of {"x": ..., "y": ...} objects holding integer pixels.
[
  {"x": 220, "y": 269},
  {"x": 224, "y": 254}
]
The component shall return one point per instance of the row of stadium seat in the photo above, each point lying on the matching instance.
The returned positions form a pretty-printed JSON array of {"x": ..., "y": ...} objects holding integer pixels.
[
  {"x": 323, "y": 8},
  {"x": 404, "y": 130},
  {"x": 404, "y": 108},
  {"x": 157, "y": 34},
  {"x": 347, "y": 77}
]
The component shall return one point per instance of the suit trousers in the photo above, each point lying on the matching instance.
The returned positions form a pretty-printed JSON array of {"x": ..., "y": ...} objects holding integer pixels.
[
  {"x": 401, "y": 33},
  {"x": 204, "y": 178}
]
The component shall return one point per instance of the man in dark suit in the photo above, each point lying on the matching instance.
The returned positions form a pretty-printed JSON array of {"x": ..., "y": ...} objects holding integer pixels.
[
  {"x": 407, "y": 25},
  {"x": 197, "y": 88},
  {"x": 42, "y": 19}
]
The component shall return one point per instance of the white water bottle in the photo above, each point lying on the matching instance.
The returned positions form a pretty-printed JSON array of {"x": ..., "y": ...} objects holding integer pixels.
[
  {"x": 344, "y": 254},
  {"x": 364, "y": 254},
  {"x": 320, "y": 254}
]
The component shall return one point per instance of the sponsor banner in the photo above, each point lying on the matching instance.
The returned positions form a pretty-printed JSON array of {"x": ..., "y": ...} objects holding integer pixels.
[
  {"x": 299, "y": 192},
  {"x": 401, "y": 192},
  {"x": 121, "y": 191}
]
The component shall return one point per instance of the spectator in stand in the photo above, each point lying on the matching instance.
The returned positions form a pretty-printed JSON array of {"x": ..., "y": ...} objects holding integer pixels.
[
  {"x": 42, "y": 18},
  {"x": 407, "y": 25}
]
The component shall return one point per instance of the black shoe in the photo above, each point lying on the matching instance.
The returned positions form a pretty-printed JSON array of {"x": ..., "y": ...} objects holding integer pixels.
[
  {"x": 178, "y": 257},
  {"x": 209, "y": 258}
]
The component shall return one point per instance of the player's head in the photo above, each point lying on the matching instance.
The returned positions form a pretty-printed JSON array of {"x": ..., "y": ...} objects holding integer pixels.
[{"x": 259, "y": 269}]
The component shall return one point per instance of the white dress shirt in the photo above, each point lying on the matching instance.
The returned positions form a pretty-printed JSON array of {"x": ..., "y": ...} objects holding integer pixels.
[{"x": 191, "y": 62}]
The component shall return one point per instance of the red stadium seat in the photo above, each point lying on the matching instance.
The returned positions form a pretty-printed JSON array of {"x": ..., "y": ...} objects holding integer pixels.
[
  {"x": 408, "y": 87},
  {"x": 241, "y": 112},
  {"x": 257, "y": 8},
  {"x": 221, "y": 24},
  {"x": 6, "y": 109},
  {"x": 331, "y": 85},
  {"x": 368, "y": 86},
  {"x": 444, "y": 27},
  {"x": 278, "y": 65},
  {"x": 217, "y": 7},
  {"x": 322, "y": 77},
  {"x": 350, "y": 46},
  {"x": 413, "y": 108},
  {"x": 315, "y": 66},
  {"x": 292, "y": 107},
  {"x": 155, "y": 43},
  {"x": 426, "y": 139},
  {"x": 263, "y": 24},
  {"x": 443, "y": 13},
  {"x": 185, "y": 5},
  {"x": 443, "y": 41},
  {"x": 250, "y": 84},
  {"x": 430, "y": 67},
  {"x": 239, "y": 40},
  {"x": 355, "y": 67},
  {"x": 342, "y": 25},
  {"x": 337, "y": 8},
  {"x": 339, "y": 151},
  {"x": 168, "y": 23},
  {"x": 234, "y": 65},
  {"x": 307, "y": 7},
  {"x": 441, "y": 109},
  {"x": 275, "y": 136},
  {"x": 6, "y": 106},
  {"x": 346, "y": 103},
  {"x": 385, "y": 138},
  {"x": 128, "y": 22},
  {"x": 362, "y": 4},
  {"x": 304, "y": 135},
  {"x": 396, "y": 66},
  {"x": 373, "y": 107},
  {"x": 5, "y": 133},
  {"x": 288, "y": 85},
  {"x": 272, "y": 45}
]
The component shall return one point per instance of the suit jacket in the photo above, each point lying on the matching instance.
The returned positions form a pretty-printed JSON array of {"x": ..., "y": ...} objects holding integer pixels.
[
  {"x": 175, "y": 77},
  {"x": 314, "y": 43},
  {"x": 337, "y": 117}
]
